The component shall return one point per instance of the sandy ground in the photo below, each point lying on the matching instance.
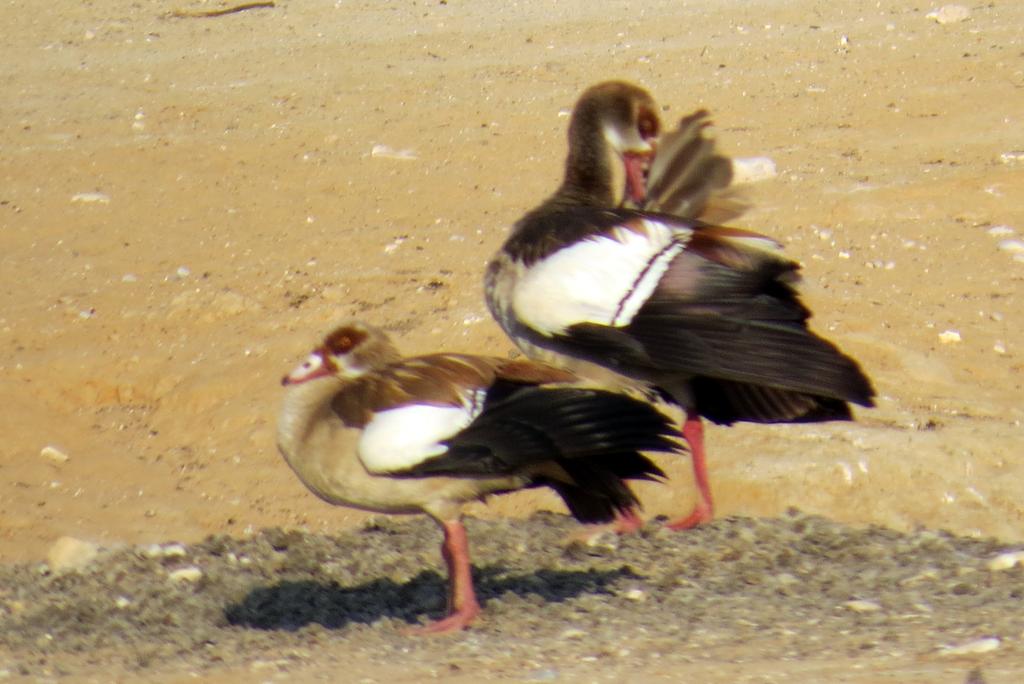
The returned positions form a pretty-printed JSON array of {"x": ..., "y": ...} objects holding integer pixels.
[{"x": 187, "y": 203}]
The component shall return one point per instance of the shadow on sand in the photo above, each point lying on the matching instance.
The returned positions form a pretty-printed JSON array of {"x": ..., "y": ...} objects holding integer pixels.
[{"x": 293, "y": 605}]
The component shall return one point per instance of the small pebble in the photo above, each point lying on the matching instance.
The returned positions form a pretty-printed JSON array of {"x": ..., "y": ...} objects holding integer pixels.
[
  {"x": 393, "y": 245},
  {"x": 164, "y": 551},
  {"x": 1005, "y": 561},
  {"x": 1012, "y": 246},
  {"x": 69, "y": 553},
  {"x": 949, "y": 337},
  {"x": 752, "y": 169},
  {"x": 183, "y": 272},
  {"x": 637, "y": 595},
  {"x": 122, "y": 602},
  {"x": 386, "y": 152},
  {"x": 572, "y": 633},
  {"x": 950, "y": 14},
  {"x": 258, "y": 665},
  {"x": 129, "y": 278},
  {"x": 173, "y": 551},
  {"x": 186, "y": 574},
  {"x": 1000, "y": 231},
  {"x": 861, "y": 606},
  {"x": 91, "y": 198},
  {"x": 984, "y": 645},
  {"x": 151, "y": 551},
  {"x": 604, "y": 539},
  {"x": 52, "y": 453},
  {"x": 999, "y": 347},
  {"x": 1014, "y": 157}
]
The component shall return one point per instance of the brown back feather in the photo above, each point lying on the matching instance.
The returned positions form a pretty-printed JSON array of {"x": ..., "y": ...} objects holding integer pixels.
[{"x": 436, "y": 380}]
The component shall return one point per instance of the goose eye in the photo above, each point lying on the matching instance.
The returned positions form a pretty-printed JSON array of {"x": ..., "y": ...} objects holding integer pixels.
[{"x": 647, "y": 125}]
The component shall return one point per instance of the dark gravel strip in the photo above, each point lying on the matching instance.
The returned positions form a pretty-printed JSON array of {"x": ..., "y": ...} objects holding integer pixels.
[{"x": 808, "y": 586}]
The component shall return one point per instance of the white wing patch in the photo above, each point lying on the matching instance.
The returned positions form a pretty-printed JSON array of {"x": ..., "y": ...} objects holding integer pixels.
[
  {"x": 401, "y": 438},
  {"x": 603, "y": 279}
]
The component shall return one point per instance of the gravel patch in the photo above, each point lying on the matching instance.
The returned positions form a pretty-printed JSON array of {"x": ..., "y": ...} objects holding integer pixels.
[{"x": 793, "y": 587}]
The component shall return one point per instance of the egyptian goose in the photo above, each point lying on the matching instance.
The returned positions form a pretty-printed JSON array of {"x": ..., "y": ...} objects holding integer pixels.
[
  {"x": 702, "y": 315},
  {"x": 363, "y": 427}
]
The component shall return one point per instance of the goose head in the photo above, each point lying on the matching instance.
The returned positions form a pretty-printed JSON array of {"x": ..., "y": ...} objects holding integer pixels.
[{"x": 348, "y": 351}]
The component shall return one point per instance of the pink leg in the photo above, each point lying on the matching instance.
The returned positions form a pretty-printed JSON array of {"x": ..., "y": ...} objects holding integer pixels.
[
  {"x": 703, "y": 512},
  {"x": 627, "y": 522},
  {"x": 462, "y": 604}
]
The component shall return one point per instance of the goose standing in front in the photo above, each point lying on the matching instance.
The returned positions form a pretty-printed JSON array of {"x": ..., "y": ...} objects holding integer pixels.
[
  {"x": 702, "y": 315},
  {"x": 365, "y": 428}
]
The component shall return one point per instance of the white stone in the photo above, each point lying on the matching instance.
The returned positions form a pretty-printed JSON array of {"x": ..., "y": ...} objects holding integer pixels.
[
  {"x": 573, "y": 633},
  {"x": 386, "y": 152},
  {"x": 862, "y": 606},
  {"x": 949, "y": 337},
  {"x": 69, "y": 553},
  {"x": 1005, "y": 561},
  {"x": 173, "y": 551},
  {"x": 1000, "y": 231},
  {"x": 152, "y": 551},
  {"x": 950, "y": 14},
  {"x": 984, "y": 645},
  {"x": 1012, "y": 157},
  {"x": 752, "y": 169},
  {"x": 187, "y": 574},
  {"x": 1011, "y": 246},
  {"x": 637, "y": 595},
  {"x": 52, "y": 453},
  {"x": 164, "y": 551},
  {"x": 91, "y": 198}
]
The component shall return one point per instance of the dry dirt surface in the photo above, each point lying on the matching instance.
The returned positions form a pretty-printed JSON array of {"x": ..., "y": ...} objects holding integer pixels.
[
  {"x": 187, "y": 202},
  {"x": 742, "y": 600}
]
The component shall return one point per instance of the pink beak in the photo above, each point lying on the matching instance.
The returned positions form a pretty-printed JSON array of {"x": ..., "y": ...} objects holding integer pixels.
[
  {"x": 636, "y": 176},
  {"x": 306, "y": 372}
]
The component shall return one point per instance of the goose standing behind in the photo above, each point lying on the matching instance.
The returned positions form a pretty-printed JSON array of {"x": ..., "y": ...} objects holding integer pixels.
[
  {"x": 362, "y": 427},
  {"x": 703, "y": 315}
]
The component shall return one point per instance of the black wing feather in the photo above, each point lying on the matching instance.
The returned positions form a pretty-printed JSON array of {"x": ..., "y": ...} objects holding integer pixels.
[
  {"x": 532, "y": 425},
  {"x": 595, "y": 437}
]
